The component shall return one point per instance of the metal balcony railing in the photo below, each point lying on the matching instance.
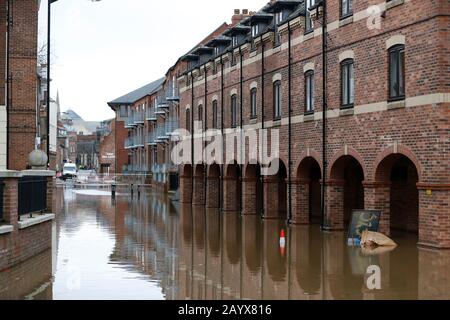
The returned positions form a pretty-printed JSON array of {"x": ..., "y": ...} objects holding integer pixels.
[
  {"x": 161, "y": 101},
  {"x": 161, "y": 134},
  {"x": 151, "y": 114},
  {"x": 129, "y": 143},
  {"x": 151, "y": 138},
  {"x": 139, "y": 117},
  {"x": 172, "y": 93},
  {"x": 129, "y": 121},
  {"x": 172, "y": 124}
]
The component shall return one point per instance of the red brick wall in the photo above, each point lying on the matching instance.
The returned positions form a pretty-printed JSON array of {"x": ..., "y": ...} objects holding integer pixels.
[
  {"x": 108, "y": 146},
  {"x": 121, "y": 154},
  {"x": 23, "y": 53},
  {"x": 420, "y": 131}
]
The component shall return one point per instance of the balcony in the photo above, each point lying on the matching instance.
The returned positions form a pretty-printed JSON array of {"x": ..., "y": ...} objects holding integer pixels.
[
  {"x": 161, "y": 101},
  {"x": 139, "y": 117},
  {"x": 129, "y": 143},
  {"x": 172, "y": 93},
  {"x": 139, "y": 141},
  {"x": 161, "y": 134},
  {"x": 129, "y": 122},
  {"x": 151, "y": 114},
  {"x": 172, "y": 124},
  {"x": 151, "y": 139}
]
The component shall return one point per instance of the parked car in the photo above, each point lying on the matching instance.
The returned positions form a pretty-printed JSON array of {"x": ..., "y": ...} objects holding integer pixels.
[{"x": 69, "y": 171}]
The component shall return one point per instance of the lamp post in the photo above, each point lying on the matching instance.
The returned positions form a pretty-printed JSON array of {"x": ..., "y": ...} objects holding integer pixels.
[{"x": 49, "y": 13}]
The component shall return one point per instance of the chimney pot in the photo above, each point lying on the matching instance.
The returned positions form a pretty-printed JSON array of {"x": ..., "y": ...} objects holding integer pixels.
[
  {"x": 237, "y": 11},
  {"x": 244, "y": 11}
]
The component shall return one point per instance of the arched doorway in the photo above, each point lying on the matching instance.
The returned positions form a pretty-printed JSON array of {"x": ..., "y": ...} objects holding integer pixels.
[
  {"x": 186, "y": 184},
  {"x": 252, "y": 190},
  {"x": 275, "y": 194},
  {"x": 213, "y": 187},
  {"x": 401, "y": 174},
  {"x": 232, "y": 188},
  {"x": 307, "y": 192},
  {"x": 345, "y": 192}
]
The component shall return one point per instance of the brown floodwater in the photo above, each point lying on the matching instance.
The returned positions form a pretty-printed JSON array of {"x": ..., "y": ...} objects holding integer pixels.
[{"x": 152, "y": 248}]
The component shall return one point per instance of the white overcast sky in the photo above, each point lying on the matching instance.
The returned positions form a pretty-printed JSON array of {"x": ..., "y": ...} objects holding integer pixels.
[{"x": 102, "y": 50}]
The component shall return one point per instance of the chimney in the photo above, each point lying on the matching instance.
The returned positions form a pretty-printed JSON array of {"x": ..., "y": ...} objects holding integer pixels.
[{"x": 238, "y": 16}]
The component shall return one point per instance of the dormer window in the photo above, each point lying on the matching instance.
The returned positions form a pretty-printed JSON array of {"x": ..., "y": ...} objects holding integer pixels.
[
  {"x": 278, "y": 17},
  {"x": 234, "y": 41},
  {"x": 255, "y": 30}
]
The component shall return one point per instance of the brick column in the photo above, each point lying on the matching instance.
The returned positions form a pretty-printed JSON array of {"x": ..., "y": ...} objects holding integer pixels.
[
  {"x": 185, "y": 189},
  {"x": 10, "y": 200},
  {"x": 199, "y": 191},
  {"x": 377, "y": 196},
  {"x": 50, "y": 187},
  {"x": 300, "y": 202},
  {"x": 249, "y": 196},
  {"x": 434, "y": 213},
  {"x": 271, "y": 205},
  {"x": 334, "y": 214},
  {"x": 230, "y": 199},
  {"x": 212, "y": 193}
]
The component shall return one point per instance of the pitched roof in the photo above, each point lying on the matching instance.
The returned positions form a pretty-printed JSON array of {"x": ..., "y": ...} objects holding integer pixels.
[{"x": 138, "y": 94}]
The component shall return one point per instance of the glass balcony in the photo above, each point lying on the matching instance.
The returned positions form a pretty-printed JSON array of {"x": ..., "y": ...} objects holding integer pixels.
[
  {"x": 161, "y": 101},
  {"x": 139, "y": 117},
  {"x": 151, "y": 139},
  {"x": 172, "y": 93},
  {"x": 161, "y": 134}
]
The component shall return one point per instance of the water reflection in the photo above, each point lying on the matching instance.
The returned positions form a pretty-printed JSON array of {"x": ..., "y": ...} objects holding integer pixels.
[{"x": 153, "y": 249}]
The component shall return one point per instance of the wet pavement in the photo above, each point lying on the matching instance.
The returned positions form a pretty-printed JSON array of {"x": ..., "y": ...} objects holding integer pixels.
[{"x": 154, "y": 249}]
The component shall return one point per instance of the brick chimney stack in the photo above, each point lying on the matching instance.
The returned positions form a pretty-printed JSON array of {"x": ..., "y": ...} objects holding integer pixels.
[{"x": 238, "y": 16}]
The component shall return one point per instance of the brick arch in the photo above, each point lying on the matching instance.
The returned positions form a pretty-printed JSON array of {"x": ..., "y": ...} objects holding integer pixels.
[
  {"x": 229, "y": 169},
  {"x": 309, "y": 154},
  {"x": 211, "y": 173},
  {"x": 395, "y": 150},
  {"x": 199, "y": 169},
  {"x": 186, "y": 170},
  {"x": 248, "y": 168},
  {"x": 346, "y": 151}
]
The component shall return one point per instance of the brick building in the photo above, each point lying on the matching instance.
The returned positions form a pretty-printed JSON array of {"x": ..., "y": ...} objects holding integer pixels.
[
  {"x": 18, "y": 61},
  {"x": 382, "y": 142},
  {"x": 107, "y": 149}
]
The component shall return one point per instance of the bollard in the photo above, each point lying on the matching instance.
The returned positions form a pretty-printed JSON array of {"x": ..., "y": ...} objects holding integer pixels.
[
  {"x": 113, "y": 191},
  {"x": 132, "y": 190},
  {"x": 139, "y": 191}
]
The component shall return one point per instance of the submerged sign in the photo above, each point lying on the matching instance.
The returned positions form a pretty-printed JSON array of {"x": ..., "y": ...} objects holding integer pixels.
[{"x": 362, "y": 220}]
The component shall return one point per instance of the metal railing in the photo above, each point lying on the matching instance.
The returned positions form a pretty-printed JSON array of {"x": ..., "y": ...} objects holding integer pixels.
[
  {"x": 172, "y": 124},
  {"x": 172, "y": 93},
  {"x": 139, "y": 117},
  {"x": 151, "y": 114},
  {"x": 151, "y": 138},
  {"x": 32, "y": 192},
  {"x": 1, "y": 200},
  {"x": 161, "y": 134},
  {"x": 161, "y": 101},
  {"x": 129, "y": 142},
  {"x": 129, "y": 122}
]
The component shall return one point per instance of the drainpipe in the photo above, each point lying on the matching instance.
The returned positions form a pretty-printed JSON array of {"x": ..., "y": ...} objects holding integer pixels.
[
  {"x": 8, "y": 80},
  {"x": 325, "y": 109},
  {"x": 192, "y": 138},
  {"x": 205, "y": 172},
  {"x": 263, "y": 116},
  {"x": 290, "y": 120},
  {"x": 222, "y": 86},
  {"x": 241, "y": 78}
]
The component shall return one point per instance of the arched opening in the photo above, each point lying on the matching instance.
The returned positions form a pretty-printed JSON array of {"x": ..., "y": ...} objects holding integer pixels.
[
  {"x": 252, "y": 190},
  {"x": 309, "y": 174},
  {"x": 403, "y": 177},
  {"x": 275, "y": 193},
  {"x": 348, "y": 176},
  {"x": 233, "y": 188},
  {"x": 213, "y": 187}
]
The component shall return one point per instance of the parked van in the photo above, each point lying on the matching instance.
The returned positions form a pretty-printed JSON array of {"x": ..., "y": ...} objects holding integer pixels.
[{"x": 69, "y": 171}]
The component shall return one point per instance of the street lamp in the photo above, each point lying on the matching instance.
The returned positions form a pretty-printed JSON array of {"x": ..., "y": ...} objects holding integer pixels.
[{"x": 49, "y": 10}]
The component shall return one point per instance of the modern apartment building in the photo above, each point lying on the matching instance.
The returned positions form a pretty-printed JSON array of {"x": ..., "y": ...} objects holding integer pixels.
[{"x": 361, "y": 108}]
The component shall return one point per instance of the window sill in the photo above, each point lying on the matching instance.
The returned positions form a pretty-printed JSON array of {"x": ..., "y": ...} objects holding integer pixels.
[
  {"x": 308, "y": 117},
  {"x": 6, "y": 229},
  {"x": 394, "y": 3},
  {"x": 346, "y": 20},
  {"x": 308, "y": 35},
  {"x": 253, "y": 120},
  {"x": 276, "y": 48},
  {"x": 347, "y": 111},
  {"x": 27, "y": 222},
  {"x": 253, "y": 53},
  {"x": 399, "y": 104},
  {"x": 276, "y": 122}
]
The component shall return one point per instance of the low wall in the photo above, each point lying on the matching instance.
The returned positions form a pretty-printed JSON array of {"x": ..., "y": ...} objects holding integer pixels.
[{"x": 24, "y": 239}]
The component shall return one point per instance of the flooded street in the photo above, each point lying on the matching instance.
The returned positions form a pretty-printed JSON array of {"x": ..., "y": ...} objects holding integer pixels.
[{"x": 153, "y": 249}]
